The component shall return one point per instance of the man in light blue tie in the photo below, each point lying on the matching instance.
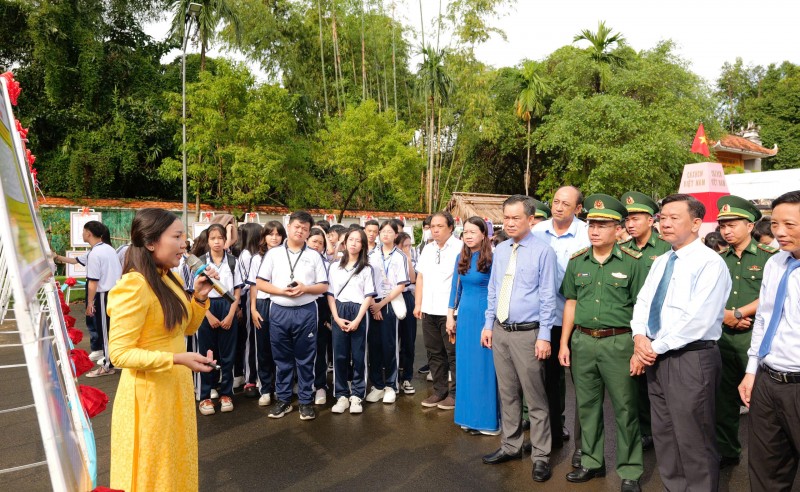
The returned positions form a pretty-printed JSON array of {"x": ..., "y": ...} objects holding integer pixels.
[
  {"x": 676, "y": 323},
  {"x": 771, "y": 386}
]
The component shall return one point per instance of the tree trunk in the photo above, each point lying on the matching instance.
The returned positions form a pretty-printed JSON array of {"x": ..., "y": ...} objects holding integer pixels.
[
  {"x": 363, "y": 58},
  {"x": 430, "y": 157},
  {"x": 528, "y": 161},
  {"x": 394, "y": 69},
  {"x": 322, "y": 58}
]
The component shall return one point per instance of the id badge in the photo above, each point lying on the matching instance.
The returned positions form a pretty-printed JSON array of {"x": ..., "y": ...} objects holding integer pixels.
[{"x": 386, "y": 286}]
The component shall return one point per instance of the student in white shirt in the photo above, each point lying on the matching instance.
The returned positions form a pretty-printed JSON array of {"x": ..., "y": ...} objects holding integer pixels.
[
  {"x": 218, "y": 331},
  {"x": 434, "y": 280},
  {"x": 294, "y": 276},
  {"x": 272, "y": 235},
  {"x": 245, "y": 363},
  {"x": 390, "y": 271},
  {"x": 350, "y": 293},
  {"x": 408, "y": 326},
  {"x": 772, "y": 380},
  {"x": 317, "y": 241}
]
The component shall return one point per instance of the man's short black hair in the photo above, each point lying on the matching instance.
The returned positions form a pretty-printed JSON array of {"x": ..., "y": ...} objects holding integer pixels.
[
  {"x": 788, "y": 197},
  {"x": 427, "y": 221},
  {"x": 303, "y": 217},
  {"x": 449, "y": 218},
  {"x": 529, "y": 206},
  {"x": 371, "y": 222},
  {"x": 696, "y": 208},
  {"x": 762, "y": 228},
  {"x": 338, "y": 229},
  {"x": 324, "y": 225}
]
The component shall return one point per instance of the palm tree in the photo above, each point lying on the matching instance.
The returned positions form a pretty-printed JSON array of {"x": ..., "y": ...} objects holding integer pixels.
[
  {"x": 435, "y": 83},
  {"x": 530, "y": 104},
  {"x": 213, "y": 13},
  {"x": 600, "y": 52}
]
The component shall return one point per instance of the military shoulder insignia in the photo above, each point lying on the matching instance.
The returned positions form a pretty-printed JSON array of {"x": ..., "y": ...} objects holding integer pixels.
[
  {"x": 769, "y": 249},
  {"x": 630, "y": 252},
  {"x": 724, "y": 250},
  {"x": 654, "y": 257},
  {"x": 578, "y": 253}
]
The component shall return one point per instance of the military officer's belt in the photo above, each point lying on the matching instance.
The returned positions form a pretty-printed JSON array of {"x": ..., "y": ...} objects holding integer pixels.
[
  {"x": 602, "y": 332},
  {"x": 781, "y": 377},
  {"x": 533, "y": 325}
]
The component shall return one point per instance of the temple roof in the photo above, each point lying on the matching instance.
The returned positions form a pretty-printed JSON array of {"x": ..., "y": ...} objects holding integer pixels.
[{"x": 740, "y": 145}]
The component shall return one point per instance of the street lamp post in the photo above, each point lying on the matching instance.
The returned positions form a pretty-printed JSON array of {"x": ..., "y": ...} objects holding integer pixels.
[{"x": 191, "y": 13}]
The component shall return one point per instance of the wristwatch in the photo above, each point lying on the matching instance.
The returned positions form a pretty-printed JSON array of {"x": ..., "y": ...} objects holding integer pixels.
[{"x": 737, "y": 314}]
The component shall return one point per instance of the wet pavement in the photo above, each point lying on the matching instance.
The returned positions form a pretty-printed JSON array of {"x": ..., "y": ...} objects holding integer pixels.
[{"x": 388, "y": 447}]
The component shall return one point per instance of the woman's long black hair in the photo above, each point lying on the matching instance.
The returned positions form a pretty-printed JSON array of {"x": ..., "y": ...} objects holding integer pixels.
[{"x": 363, "y": 257}]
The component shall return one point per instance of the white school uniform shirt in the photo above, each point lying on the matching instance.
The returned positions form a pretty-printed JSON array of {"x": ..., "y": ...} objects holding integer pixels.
[
  {"x": 231, "y": 280},
  {"x": 103, "y": 266},
  {"x": 414, "y": 257},
  {"x": 356, "y": 289},
  {"x": 308, "y": 270},
  {"x": 244, "y": 261},
  {"x": 252, "y": 277},
  {"x": 694, "y": 305},
  {"x": 784, "y": 352},
  {"x": 122, "y": 251},
  {"x": 437, "y": 277},
  {"x": 83, "y": 259},
  {"x": 389, "y": 270}
]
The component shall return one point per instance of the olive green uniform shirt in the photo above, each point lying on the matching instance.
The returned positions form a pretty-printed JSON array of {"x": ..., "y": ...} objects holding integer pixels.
[
  {"x": 606, "y": 292},
  {"x": 746, "y": 272},
  {"x": 653, "y": 248}
]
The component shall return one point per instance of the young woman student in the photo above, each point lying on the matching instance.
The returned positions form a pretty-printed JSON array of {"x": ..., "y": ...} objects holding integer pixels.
[
  {"x": 272, "y": 235},
  {"x": 350, "y": 293},
  {"x": 245, "y": 363},
  {"x": 219, "y": 329},
  {"x": 407, "y": 326},
  {"x": 294, "y": 276},
  {"x": 391, "y": 277}
]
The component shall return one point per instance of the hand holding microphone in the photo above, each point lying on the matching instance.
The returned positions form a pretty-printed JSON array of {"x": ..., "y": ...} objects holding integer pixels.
[{"x": 197, "y": 267}]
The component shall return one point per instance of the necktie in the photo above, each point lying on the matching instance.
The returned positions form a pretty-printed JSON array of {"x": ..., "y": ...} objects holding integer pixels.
[
  {"x": 504, "y": 302},
  {"x": 777, "y": 309},
  {"x": 654, "y": 321}
]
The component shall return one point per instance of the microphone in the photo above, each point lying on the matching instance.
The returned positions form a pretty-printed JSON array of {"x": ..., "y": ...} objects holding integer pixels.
[{"x": 197, "y": 267}]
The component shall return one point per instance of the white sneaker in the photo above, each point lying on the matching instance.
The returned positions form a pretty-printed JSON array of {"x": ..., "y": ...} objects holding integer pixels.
[
  {"x": 429, "y": 377},
  {"x": 265, "y": 400},
  {"x": 226, "y": 404},
  {"x": 355, "y": 405},
  {"x": 238, "y": 381},
  {"x": 389, "y": 395},
  {"x": 96, "y": 355},
  {"x": 375, "y": 395},
  {"x": 320, "y": 398},
  {"x": 341, "y": 405},
  {"x": 214, "y": 394},
  {"x": 206, "y": 407},
  {"x": 407, "y": 388}
]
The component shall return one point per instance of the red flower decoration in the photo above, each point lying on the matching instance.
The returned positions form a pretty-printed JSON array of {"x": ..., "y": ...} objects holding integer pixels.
[
  {"x": 80, "y": 361},
  {"x": 65, "y": 309},
  {"x": 13, "y": 87},
  {"x": 70, "y": 281},
  {"x": 23, "y": 132},
  {"x": 31, "y": 158},
  {"x": 69, "y": 321},
  {"x": 93, "y": 400},
  {"x": 75, "y": 335}
]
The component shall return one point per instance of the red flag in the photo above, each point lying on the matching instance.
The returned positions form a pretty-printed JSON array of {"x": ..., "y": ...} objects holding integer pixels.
[{"x": 700, "y": 144}]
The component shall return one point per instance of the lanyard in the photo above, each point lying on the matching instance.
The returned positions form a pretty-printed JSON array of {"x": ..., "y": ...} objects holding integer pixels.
[
  {"x": 384, "y": 258},
  {"x": 292, "y": 267}
]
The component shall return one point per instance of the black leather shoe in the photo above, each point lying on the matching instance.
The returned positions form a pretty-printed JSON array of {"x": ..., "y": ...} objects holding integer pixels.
[
  {"x": 584, "y": 474},
  {"x": 727, "y": 462},
  {"x": 647, "y": 443},
  {"x": 630, "y": 486},
  {"x": 526, "y": 424},
  {"x": 541, "y": 472},
  {"x": 500, "y": 456},
  {"x": 576, "y": 458},
  {"x": 564, "y": 433},
  {"x": 526, "y": 447}
]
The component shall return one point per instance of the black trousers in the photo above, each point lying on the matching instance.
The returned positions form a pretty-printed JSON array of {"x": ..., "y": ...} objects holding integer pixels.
[
  {"x": 682, "y": 388},
  {"x": 774, "y": 436},
  {"x": 441, "y": 353}
]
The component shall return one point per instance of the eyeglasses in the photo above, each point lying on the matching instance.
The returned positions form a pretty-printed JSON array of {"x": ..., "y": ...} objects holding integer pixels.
[{"x": 438, "y": 256}]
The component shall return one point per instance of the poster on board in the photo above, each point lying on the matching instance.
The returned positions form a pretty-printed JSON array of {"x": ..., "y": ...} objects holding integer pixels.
[
  {"x": 76, "y": 222},
  {"x": 76, "y": 270},
  {"x": 199, "y": 227}
]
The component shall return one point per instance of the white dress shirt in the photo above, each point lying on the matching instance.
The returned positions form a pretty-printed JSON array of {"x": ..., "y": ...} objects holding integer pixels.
[
  {"x": 230, "y": 279},
  {"x": 309, "y": 269},
  {"x": 784, "y": 354},
  {"x": 252, "y": 276},
  {"x": 574, "y": 239},
  {"x": 695, "y": 301},
  {"x": 389, "y": 270},
  {"x": 347, "y": 286},
  {"x": 103, "y": 266},
  {"x": 437, "y": 276}
]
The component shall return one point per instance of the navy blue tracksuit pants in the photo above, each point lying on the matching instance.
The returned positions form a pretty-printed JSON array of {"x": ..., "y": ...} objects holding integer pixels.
[
  {"x": 382, "y": 344},
  {"x": 347, "y": 347},
  {"x": 223, "y": 343},
  {"x": 408, "y": 338},
  {"x": 293, "y": 336},
  {"x": 323, "y": 342},
  {"x": 265, "y": 365}
]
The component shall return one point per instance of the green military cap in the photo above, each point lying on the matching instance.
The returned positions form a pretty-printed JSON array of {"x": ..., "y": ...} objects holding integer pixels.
[
  {"x": 542, "y": 210},
  {"x": 734, "y": 207},
  {"x": 604, "y": 207},
  {"x": 639, "y": 202}
]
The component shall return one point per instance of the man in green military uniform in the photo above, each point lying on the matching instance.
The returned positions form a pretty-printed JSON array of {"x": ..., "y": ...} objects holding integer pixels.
[
  {"x": 542, "y": 212},
  {"x": 745, "y": 258},
  {"x": 600, "y": 286},
  {"x": 639, "y": 223}
]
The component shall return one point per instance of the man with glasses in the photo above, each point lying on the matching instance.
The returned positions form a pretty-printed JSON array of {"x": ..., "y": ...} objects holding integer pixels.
[{"x": 434, "y": 277}]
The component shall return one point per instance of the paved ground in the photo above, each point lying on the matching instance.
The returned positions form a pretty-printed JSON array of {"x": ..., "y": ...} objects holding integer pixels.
[{"x": 389, "y": 447}]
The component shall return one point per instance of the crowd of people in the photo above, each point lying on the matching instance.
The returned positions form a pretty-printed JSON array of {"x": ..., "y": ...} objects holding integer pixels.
[{"x": 624, "y": 292}]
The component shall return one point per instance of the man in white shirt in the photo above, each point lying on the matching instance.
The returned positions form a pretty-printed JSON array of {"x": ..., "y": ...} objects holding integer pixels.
[
  {"x": 772, "y": 380},
  {"x": 676, "y": 323},
  {"x": 566, "y": 234},
  {"x": 434, "y": 277}
]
